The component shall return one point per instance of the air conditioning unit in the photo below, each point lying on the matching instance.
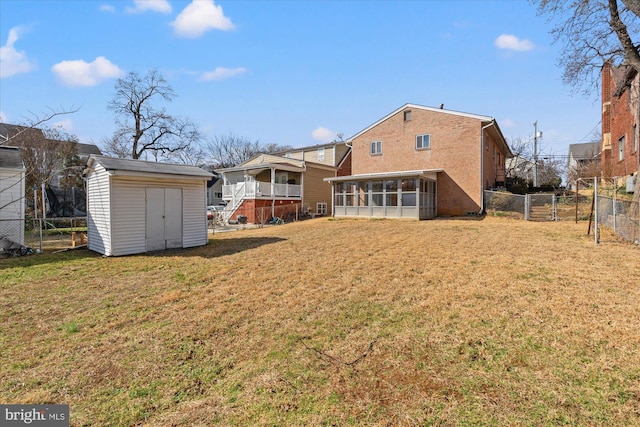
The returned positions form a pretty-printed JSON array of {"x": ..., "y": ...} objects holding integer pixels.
[{"x": 631, "y": 183}]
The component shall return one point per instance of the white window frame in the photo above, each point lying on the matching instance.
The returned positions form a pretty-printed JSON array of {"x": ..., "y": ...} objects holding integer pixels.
[
  {"x": 321, "y": 154},
  {"x": 321, "y": 208},
  {"x": 621, "y": 142},
  {"x": 375, "y": 148},
  {"x": 421, "y": 144}
]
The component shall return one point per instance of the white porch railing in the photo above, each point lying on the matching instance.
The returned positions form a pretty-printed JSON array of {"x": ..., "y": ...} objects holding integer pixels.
[{"x": 253, "y": 189}]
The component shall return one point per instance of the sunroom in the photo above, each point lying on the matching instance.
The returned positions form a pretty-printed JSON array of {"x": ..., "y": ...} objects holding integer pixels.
[{"x": 404, "y": 194}]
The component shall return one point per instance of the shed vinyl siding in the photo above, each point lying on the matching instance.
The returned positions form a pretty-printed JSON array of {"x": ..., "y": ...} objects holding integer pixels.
[
  {"x": 128, "y": 217},
  {"x": 129, "y": 207},
  {"x": 12, "y": 204},
  {"x": 194, "y": 220},
  {"x": 99, "y": 211}
]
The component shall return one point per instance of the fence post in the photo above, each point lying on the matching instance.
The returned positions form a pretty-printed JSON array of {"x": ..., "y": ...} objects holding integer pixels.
[
  {"x": 595, "y": 204},
  {"x": 615, "y": 190},
  {"x": 527, "y": 203},
  {"x": 40, "y": 228}
]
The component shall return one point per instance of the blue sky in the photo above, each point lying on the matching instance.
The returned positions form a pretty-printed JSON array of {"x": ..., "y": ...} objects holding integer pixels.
[{"x": 291, "y": 72}]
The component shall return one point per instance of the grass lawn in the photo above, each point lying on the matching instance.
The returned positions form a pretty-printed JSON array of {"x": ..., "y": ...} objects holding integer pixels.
[{"x": 333, "y": 322}]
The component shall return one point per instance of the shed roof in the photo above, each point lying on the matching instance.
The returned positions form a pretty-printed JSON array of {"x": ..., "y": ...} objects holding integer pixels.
[
  {"x": 136, "y": 167},
  {"x": 11, "y": 158}
]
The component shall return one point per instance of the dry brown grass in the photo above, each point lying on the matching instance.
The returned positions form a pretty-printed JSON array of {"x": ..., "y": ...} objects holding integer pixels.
[{"x": 334, "y": 322}]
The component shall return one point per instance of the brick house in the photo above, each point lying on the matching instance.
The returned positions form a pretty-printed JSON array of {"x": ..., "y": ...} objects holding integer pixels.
[
  {"x": 422, "y": 162},
  {"x": 620, "y": 110}
]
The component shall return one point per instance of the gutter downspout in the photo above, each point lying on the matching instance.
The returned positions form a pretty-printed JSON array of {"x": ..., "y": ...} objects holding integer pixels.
[{"x": 493, "y": 121}]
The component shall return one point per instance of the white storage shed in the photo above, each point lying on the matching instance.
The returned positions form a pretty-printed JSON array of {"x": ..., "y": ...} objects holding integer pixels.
[
  {"x": 12, "y": 191},
  {"x": 134, "y": 206}
]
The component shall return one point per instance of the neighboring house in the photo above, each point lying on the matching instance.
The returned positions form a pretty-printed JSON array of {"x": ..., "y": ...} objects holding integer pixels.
[
  {"x": 214, "y": 191},
  {"x": 12, "y": 190},
  {"x": 519, "y": 167},
  {"x": 620, "y": 109},
  {"x": 584, "y": 162},
  {"x": 421, "y": 162},
  {"x": 134, "y": 206},
  {"x": 283, "y": 182},
  {"x": 65, "y": 192}
]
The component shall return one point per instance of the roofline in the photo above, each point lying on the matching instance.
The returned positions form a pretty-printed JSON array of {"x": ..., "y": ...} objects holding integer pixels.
[
  {"x": 397, "y": 174},
  {"x": 95, "y": 158},
  {"x": 327, "y": 144},
  {"x": 281, "y": 166},
  {"x": 425, "y": 108}
]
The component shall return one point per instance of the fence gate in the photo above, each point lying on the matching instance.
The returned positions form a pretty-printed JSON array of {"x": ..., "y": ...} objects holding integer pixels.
[{"x": 541, "y": 207}]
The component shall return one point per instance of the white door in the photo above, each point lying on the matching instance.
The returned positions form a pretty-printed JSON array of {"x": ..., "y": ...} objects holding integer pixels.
[{"x": 164, "y": 218}]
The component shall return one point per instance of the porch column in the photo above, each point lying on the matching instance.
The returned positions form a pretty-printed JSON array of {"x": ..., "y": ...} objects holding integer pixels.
[
  {"x": 273, "y": 191},
  {"x": 301, "y": 192}
]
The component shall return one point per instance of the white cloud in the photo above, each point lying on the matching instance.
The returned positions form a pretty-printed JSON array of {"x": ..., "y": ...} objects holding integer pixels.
[
  {"x": 142, "y": 6},
  {"x": 65, "y": 125},
  {"x": 221, "y": 73},
  {"x": 107, "y": 8},
  {"x": 323, "y": 134},
  {"x": 511, "y": 42},
  {"x": 80, "y": 73},
  {"x": 13, "y": 61},
  {"x": 199, "y": 17},
  {"x": 507, "y": 123}
]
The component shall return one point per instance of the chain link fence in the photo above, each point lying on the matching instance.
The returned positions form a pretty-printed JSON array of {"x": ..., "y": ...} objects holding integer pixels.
[
  {"x": 599, "y": 203},
  {"x": 41, "y": 235}
]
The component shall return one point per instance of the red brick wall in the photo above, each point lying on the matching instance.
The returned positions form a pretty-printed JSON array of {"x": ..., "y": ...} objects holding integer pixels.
[
  {"x": 252, "y": 208},
  {"x": 618, "y": 119},
  {"x": 455, "y": 147}
]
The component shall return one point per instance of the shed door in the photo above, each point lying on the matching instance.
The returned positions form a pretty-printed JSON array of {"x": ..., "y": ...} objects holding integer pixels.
[{"x": 164, "y": 218}]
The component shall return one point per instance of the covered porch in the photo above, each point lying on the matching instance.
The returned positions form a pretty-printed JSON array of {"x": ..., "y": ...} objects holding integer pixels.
[
  {"x": 260, "y": 182},
  {"x": 403, "y": 194}
]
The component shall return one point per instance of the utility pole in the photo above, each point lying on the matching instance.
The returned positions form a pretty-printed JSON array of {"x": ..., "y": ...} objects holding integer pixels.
[{"x": 535, "y": 154}]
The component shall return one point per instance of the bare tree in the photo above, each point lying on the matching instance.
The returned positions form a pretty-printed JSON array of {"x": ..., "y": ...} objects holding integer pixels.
[
  {"x": 32, "y": 123},
  {"x": 592, "y": 32},
  {"x": 47, "y": 154},
  {"x": 231, "y": 150},
  {"x": 143, "y": 127}
]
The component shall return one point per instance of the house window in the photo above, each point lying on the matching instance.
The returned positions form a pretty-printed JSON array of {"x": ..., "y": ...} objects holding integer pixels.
[
  {"x": 409, "y": 192},
  {"x": 423, "y": 142},
  {"x": 391, "y": 187},
  {"x": 363, "y": 194},
  {"x": 339, "y": 196},
  {"x": 376, "y": 148},
  {"x": 407, "y": 116},
  {"x": 321, "y": 208},
  {"x": 288, "y": 155},
  {"x": 377, "y": 193},
  {"x": 218, "y": 195},
  {"x": 350, "y": 194},
  {"x": 621, "y": 148},
  {"x": 321, "y": 154},
  {"x": 281, "y": 177}
]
